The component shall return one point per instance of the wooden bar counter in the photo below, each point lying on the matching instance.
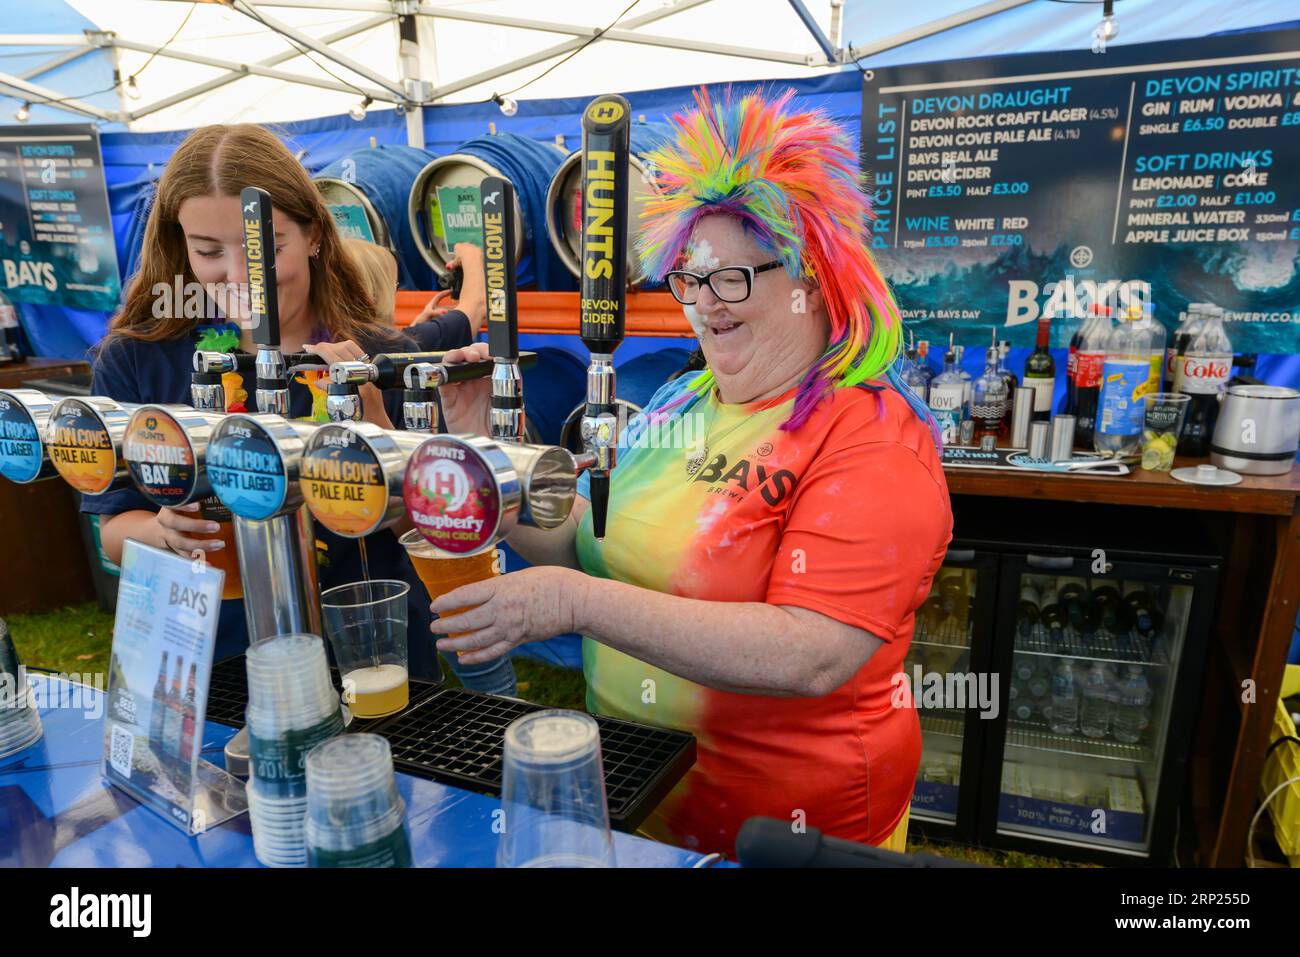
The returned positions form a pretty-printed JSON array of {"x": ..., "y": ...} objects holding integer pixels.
[
  {"x": 43, "y": 564},
  {"x": 1257, "y": 603}
]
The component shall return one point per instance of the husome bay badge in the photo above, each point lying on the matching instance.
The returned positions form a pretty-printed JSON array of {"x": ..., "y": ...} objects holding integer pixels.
[{"x": 164, "y": 450}]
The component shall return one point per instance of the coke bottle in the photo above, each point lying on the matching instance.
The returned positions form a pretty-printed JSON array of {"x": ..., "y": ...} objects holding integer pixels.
[
  {"x": 1203, "y": 375},
  {"x": 1089, "y": 362},
  {"x": 1187, "y": 328}
]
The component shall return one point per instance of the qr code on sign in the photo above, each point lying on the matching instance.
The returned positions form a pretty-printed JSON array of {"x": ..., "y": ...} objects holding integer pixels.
[{"x": 123, "y": 747}]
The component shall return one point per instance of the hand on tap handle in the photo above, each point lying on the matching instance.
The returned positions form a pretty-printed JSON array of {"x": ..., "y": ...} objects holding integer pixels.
[
  {"x": 372, "y": 400},
  {"x": 466, "y": 405}
]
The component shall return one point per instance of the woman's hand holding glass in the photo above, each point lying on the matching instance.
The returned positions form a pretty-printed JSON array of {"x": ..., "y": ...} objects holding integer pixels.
[
  {"x": 179, "y": 526},
  {"x": 501, "y": 613}
]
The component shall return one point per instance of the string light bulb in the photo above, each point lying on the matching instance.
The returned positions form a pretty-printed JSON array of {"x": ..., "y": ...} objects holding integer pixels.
[
  {"x": 23, "y": 112},
  {"x": 508, "y": 106},
  {"x": 1108, "y": 29},
  {"x": 358, "y": 110},
  {"x": 132, "y": 90}
]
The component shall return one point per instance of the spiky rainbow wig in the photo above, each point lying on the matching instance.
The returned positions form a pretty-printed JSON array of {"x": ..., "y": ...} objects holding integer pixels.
[{"x": 792, "y": 179}]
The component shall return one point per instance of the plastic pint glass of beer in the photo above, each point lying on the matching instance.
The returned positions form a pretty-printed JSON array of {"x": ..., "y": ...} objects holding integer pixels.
[
  {"x": 366, "y": 625},
  {"x": 442, "y": 571}
]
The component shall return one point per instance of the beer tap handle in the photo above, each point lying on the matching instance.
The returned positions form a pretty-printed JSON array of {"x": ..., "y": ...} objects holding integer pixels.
[
  {"x": 264, "y": 309},
  {"x": 606, "y": 131},
  {"x": 497, "y": 204}
]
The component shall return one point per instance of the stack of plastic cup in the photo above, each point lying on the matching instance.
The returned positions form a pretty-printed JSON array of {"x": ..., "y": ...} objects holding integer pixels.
[
  {"x": 20, "y": 719},
  {"x": 292, "y": 707},
  {"x": 355, "y": 817},
  {"x": 553, "y": 793}
]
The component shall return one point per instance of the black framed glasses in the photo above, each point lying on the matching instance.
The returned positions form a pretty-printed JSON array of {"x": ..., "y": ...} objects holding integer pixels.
[{"x": 729, "y": 284}]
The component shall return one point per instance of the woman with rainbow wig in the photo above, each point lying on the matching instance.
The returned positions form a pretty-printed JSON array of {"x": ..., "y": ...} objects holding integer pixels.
[{"x": 774, "y": 521}]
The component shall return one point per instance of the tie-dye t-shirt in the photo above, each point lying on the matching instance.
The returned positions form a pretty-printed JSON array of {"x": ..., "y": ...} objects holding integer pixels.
[{"x": 847, "y": 516}]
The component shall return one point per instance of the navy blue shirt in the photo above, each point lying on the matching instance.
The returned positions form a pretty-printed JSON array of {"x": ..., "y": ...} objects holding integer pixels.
[
  {"x": 448, "y": 331},
  {"x": 129, "y": 370}
]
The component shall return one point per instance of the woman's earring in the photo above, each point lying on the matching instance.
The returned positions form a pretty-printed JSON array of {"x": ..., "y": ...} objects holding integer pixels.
[{"x": 315, "y": 252}]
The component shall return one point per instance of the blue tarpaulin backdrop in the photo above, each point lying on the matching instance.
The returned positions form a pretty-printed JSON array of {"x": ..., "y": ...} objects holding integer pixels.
[{"x": 134, "y": 161}]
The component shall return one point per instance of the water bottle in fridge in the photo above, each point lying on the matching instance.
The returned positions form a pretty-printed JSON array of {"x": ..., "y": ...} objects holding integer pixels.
[
  {"x": 1065, "y": 699},
  {"x": 1094, "y": 713},
  {"x": 1133, "y": 706}
]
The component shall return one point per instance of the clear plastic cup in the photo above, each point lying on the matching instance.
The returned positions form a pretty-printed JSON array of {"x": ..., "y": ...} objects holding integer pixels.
[
  {"x": 442, "y": 572},
  {"x": 553, "y": 793},
  {"x": 289, "y": 682},
  {"x": 20, "y": 718},
  {"x": 278, "y": 839},
  {"x": 355, "y": 817},
  {"x": 1162, "y": 423},
  {"x": 292, "y": 707},
  {"x": 366, "y": 625}
]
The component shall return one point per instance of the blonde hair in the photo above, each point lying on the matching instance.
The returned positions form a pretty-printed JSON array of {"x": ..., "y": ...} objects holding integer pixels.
[
  {"x": 379, "y": 267},
  {"x": 221, "y": 160}
]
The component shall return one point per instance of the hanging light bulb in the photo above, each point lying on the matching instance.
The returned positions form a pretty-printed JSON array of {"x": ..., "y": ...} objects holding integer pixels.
[
  {"x": 358, "y": 112},
  {"x": 23, "y": 112},
  {"x": 508, "y": 106},
  {"x": 1108, "y": 29},
  {"x": 132, "y": 90}
]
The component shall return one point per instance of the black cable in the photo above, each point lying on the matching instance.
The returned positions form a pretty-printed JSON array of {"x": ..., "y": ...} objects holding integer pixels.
[
  {"x": 569, "y": 56},
  {"x": 174, "y": 35},
  {"x": 305, "y": 51},
  {"x": 117, "y": 82},
  {"x": 858, "y": 62}
]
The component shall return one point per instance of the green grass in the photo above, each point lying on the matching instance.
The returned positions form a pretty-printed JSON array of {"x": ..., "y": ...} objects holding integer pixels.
[
  {"x": 78, "y": 639},
  {"x": 73, "y": 639}
]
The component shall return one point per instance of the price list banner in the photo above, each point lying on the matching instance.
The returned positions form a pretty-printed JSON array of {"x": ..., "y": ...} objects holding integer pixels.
[
  {"x": 1035, "y": 185},
  {"x": 56, "y": 237}
]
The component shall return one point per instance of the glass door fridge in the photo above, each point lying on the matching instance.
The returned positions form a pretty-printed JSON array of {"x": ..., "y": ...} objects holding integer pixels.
[
  {"x": 950, "y": 650},
  {"x": 1100, "y": 658}
]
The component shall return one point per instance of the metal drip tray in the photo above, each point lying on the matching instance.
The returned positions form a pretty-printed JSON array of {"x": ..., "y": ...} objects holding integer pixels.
[
  {"x": 228, "y": 695},
  {"x": 456, "y": 736}
]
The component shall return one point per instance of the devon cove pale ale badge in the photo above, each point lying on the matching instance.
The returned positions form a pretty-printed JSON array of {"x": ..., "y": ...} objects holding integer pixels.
[
  {"x": 163, "y": 639},
  {"x": 342, "y": 481},
  {"x": 451, "y": 494},
  {"x": 81, "y": 448},
  {"x": 245, "y": 469},
  {"x": 159, "y": 457}
]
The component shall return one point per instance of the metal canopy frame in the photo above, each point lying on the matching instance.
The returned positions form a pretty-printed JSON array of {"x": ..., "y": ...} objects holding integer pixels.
[{"x": 408, "y": 92}]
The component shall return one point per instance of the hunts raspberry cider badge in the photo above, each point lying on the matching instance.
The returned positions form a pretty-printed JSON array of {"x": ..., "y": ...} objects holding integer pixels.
[{"x": 451, "y": 494}]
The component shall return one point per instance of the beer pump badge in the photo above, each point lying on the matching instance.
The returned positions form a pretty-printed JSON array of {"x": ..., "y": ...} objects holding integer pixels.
[
  {"x": 451, "y": 494},
  {"x": 159, "y": 457},
  {"x": 81, "y": 448},
  {"x": 246, "y": 470},
  {"x": 20, "y": 442},
  {"x": 343, "y": 482}
]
